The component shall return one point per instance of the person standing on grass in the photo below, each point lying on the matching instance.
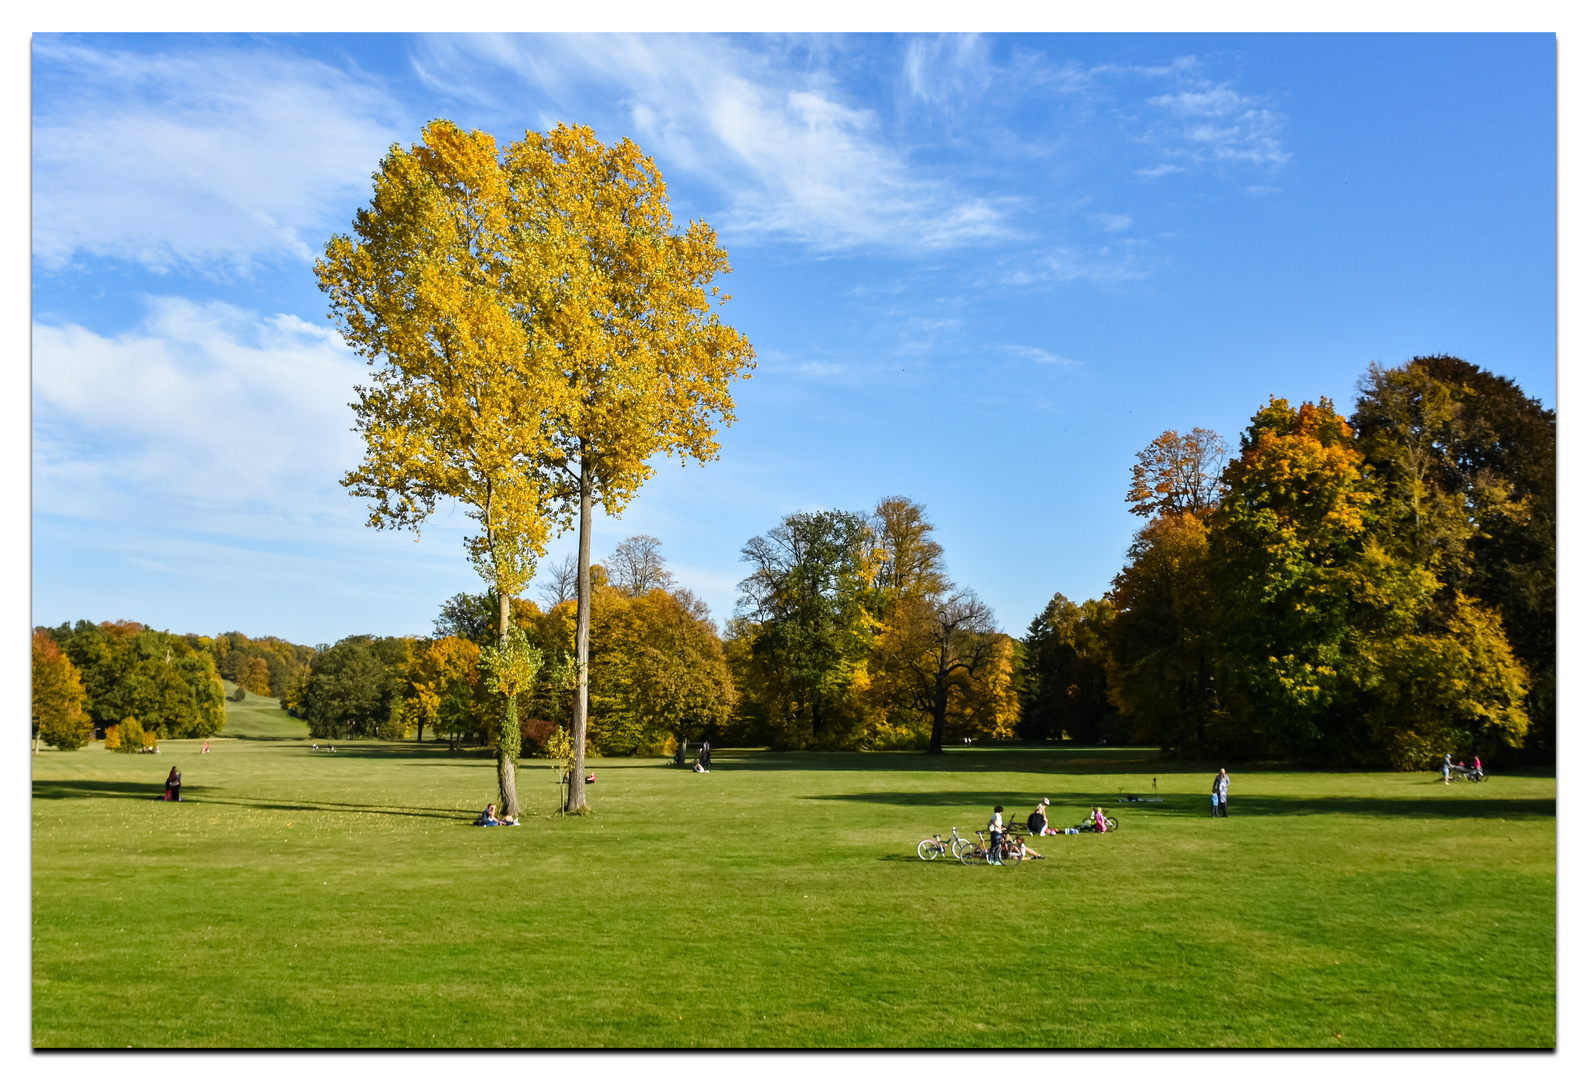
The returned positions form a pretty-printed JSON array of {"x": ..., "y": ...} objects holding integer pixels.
[
  {"x": 173, "y": 786},
  {"x": 1222, "y": 786},
  {"x": 1446, "y": 770},
  {"x": 995, "y": 832}
]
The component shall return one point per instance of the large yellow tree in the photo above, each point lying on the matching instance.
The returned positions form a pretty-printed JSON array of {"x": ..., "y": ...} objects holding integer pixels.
[
  {"x": 439, "y": 288},
  {"x": 628, "y": 332}
]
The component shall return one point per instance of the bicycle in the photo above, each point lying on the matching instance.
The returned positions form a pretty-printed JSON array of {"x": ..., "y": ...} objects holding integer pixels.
[
  {"x": 935, "y": 845},
  {"x": 988, "y": 853},
  {"x": 1088, "y": 826}
]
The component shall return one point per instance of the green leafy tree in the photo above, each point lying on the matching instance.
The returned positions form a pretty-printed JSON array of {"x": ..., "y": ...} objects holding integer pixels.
[
  {"x": 804, "y": 610},
  {"x": 1285, "y": 548},
  {"x": 1466, "y": 466},
  {"x": 168, "y": 681},
  {"x": 1065, "y": 689},
  {"x": 350, "y": 690}
]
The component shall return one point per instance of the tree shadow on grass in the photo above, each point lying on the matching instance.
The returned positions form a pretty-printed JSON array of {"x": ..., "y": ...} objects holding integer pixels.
[
  {"x": 1074, "y": 805},
  {"x": 108, "y": 789},
  {"x": 1036, "y": 757},
  {"x": 196, "y": 793}
]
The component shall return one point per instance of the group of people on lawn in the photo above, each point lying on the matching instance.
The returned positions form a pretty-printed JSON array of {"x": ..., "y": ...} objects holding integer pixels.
[{"x": 1036, "y": 824}]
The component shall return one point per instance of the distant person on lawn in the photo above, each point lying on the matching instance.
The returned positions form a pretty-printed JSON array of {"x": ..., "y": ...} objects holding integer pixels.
[
  {"x": 1446, "y": 770},
  {"x": 1221, "y": 784},
  {"x": 173, "y": 786},
  {"x": 704, "y": 757}
]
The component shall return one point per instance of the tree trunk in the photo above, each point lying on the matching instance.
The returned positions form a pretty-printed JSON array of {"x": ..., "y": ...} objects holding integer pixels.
[
  {"x": 581, "y": 693},
  {"x": 507, "y": 732},
  {"x": 939, "y": 714}
]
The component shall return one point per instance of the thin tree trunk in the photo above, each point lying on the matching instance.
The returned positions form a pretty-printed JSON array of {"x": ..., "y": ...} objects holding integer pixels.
[
  {"x": 506, "y": 770},
  {"x": 939, "y": 714},
  {"x": 581, "y": 694}
]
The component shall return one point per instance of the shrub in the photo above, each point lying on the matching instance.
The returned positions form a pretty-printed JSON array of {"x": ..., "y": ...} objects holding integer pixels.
[
  {"x": 534, "y": 734},
  {"x": 239, "y": 694},
  {"x": 128, "y": 737}
]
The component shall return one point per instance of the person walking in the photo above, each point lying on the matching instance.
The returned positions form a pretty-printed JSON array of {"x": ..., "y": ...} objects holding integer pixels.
[
  {"x": 1222, "y": 786},
  {"x": 1446, "y": 770}
]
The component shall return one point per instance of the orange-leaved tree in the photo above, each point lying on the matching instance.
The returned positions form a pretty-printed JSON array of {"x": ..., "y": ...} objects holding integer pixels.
[{"x": 58, "y": 698}]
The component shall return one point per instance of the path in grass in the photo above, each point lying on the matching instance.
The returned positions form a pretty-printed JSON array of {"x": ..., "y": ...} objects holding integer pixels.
[{"x": 303, "y": 899}]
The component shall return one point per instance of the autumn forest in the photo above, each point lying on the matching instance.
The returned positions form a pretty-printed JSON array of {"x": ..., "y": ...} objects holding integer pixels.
[{"x": 1374, "y": 589}]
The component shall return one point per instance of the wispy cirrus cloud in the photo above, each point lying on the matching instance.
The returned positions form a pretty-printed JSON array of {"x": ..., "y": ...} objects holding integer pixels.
[
  {"x": 1041, "y": 356},
  {"x": 791, "y": 155},
  {"x": 213, "y": 158},
  {"x": 1217, "y": 124}
]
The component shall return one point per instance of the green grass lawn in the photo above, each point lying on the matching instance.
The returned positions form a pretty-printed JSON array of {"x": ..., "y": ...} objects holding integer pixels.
[
  {"x": 305, "y": 899},
  {"x": 258, "y": 717}
]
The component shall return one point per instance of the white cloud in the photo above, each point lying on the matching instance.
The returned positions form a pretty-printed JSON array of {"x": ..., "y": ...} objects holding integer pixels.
[
  {"x": 1041, "y": 356},
  {"x": 206, "y": 411},
  {"x": 947, "y": 69},
  {"x": 792, "y": 158},
  {"x": 1215, "y": 123},
  {"x": 1064, "y": 263},
  {"x": 1163, "y": 169},
  {"x": 199, "y": 158},
  {"x": 1112, "y": 222}
]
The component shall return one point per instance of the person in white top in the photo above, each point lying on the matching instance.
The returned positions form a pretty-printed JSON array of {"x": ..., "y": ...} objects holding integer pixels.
[{"x": 995, "y": 831}]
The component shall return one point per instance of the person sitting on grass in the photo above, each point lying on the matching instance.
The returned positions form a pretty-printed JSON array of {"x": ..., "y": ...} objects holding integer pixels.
[
  {"x": 1037, "y": 823},
  {"x": 1021, "y": 851},
  {"x": 488, "y": 817}
]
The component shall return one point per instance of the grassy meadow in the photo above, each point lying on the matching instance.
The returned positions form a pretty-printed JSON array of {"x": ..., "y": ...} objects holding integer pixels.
[{"x": 316, "y": 900}]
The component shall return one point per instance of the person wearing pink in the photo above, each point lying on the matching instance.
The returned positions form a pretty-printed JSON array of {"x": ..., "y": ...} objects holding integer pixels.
[{"x": 1099, "y": 822}]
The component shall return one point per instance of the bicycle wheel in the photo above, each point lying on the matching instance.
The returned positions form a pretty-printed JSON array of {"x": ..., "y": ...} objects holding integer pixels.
[
  {"x": 1113, "y": 823},
  {"x": 928, "y": 849},
  {"x": 959, "y": 849},
  {"x": 970, "y": 853}
]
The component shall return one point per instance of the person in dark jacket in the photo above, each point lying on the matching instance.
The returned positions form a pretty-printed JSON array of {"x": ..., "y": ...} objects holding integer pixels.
[
  {"x": 1221, "y": 784},
  {"x": 703, "y": 759},
  {"x": 173, "y": 786}
]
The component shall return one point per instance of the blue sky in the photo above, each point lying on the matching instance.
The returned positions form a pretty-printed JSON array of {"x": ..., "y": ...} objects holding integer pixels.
[{"x": 981, "y": 272}]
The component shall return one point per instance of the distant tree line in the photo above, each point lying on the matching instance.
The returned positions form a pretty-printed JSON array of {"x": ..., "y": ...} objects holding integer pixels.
[
  {"x": 657, "y": 672},
  {"x": 94, "y": 677},
  {"x": 1374, "y": 592}
]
